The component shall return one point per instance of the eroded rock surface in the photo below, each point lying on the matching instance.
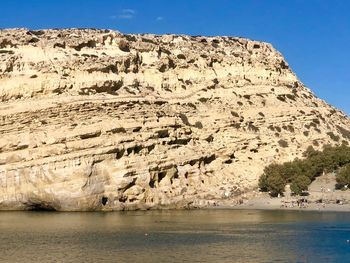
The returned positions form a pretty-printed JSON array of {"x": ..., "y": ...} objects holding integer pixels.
[{"x": 99, "y": 120}]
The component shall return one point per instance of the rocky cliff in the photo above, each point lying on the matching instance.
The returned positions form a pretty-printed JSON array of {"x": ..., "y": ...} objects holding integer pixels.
[{"x": 99, "y": 120}]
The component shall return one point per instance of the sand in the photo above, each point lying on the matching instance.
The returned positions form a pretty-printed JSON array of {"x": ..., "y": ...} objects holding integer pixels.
[{"x": 322, "y": 196}]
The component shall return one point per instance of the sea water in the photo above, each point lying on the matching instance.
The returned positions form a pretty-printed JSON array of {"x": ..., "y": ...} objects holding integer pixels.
[{"x": 175, "y": 236}]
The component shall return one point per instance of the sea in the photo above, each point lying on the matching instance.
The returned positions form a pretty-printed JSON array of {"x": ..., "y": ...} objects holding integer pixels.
[{"x": 214, "y": 235}]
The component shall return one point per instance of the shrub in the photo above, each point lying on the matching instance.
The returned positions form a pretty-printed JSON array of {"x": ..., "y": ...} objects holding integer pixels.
[
  {"x": 344, "y": 132},
  {"x": 333, "y": 136},
  {"x": 276, "y": 185},
  {"x": 310, "y": 151},
  {"x": 299, "y": 184},
  {"x": 198, "y": 125},
  {"x": 272, "y": 181},
  {"x": 234, "y": 114},
  {"x": 283, "y": 143},
  {"x": 343, "y": 175},
  {"x": 290, "y": 96}
]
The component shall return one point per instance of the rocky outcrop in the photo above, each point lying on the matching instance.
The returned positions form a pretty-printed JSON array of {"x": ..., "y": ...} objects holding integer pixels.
[{"x": 99, "y": 120}]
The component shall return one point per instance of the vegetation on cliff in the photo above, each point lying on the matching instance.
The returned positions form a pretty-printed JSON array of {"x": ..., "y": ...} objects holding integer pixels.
[{"x": 300, "y": 173}]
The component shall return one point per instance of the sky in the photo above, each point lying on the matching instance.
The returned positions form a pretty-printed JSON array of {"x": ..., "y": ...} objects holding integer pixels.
[{"x": 313, "y": 35}]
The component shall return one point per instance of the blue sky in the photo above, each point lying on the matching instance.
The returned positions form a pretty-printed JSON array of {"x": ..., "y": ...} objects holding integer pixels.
[{"x": 313, "y": 35}]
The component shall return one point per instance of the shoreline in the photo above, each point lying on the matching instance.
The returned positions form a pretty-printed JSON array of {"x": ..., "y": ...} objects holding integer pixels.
[
  {"x": 263, "y": 201},
  {"x": 311, "y": 208}
]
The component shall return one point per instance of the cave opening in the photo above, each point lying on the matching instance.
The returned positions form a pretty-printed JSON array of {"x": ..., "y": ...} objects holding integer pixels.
[
  {"x": 104, "y": 200},
  {"x": 41, "y": 207}
]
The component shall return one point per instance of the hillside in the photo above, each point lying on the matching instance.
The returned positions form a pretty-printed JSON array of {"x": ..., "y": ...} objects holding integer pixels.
[{"x": 99, "y": 120}]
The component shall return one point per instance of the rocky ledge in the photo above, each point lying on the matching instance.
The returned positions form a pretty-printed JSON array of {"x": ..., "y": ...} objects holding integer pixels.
[{"x": 99, "y": 120}]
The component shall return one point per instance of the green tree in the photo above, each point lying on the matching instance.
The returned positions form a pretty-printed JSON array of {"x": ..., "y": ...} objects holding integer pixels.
[
  {"x": 263, "y": 184},
  {"x": 299, "y": 184},
  {"x": 289, "y": 170},
  {"x": 343, "y": 175},
  {"x": 276, "y": 185},
  {"x": 272, "y": 181}
]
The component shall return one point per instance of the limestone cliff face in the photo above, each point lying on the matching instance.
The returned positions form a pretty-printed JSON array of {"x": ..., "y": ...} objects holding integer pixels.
[{"x": 98, "y": 120}]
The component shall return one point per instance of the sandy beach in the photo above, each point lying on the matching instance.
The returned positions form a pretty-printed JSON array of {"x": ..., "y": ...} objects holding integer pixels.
[{"x": 322, "y": 196}]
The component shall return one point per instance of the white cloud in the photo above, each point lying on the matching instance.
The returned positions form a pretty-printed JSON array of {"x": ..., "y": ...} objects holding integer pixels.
[
  {"x": 129, "y": 11},
  {"x": 125, "y": 14}
]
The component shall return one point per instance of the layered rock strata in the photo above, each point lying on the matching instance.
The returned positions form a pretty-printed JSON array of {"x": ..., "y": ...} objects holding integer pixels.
[{"x": 99, "y": 120}]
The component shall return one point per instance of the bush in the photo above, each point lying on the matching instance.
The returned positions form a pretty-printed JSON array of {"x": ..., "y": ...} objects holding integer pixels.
[
  {"x": 333, "y": 136},
  {"x": 343, "y": 175},
  {"x": 276, "y": 185},
  {"x": 263, "y": 184},
  {"x": 344, "y": 132},
  {"x": 272, "y": 181},
  {"x": 310, "y": 151},
  {"x": 299, "y": 184},
  {"x": 283, "y": 143}
]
